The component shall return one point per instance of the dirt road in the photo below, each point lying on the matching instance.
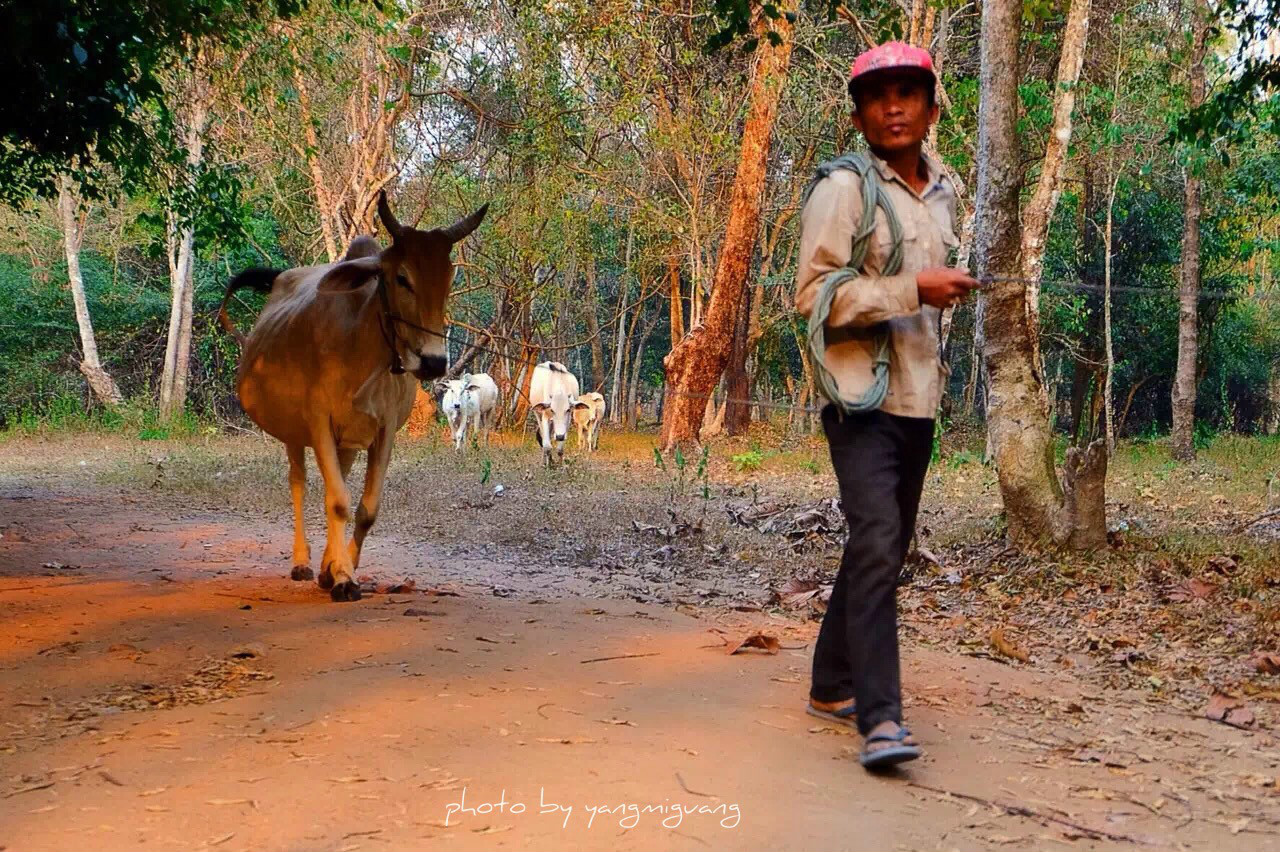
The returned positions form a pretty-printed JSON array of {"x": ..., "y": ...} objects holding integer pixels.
[{"x": 165, "y": 686}]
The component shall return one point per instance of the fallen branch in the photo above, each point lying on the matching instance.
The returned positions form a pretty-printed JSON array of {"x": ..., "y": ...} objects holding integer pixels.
[
  {"x": 1030, "y": 813},
  {"x": 1265, "y": 516},
  {"x": 30, "y": 789},
  {"x": 685, "y": 787},
  {"x": 618, "y": 657}
]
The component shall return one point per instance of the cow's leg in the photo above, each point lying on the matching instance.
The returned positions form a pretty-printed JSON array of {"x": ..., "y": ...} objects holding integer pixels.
[
  {"x": 336, "y": 569},
  {"x": 374, "y": 476},
  {"x": 298, "y": 489}
]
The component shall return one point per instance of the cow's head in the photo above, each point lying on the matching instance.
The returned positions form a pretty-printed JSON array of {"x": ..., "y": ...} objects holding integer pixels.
[
  {"x": 583, "y": 413},
  {"x": 418, "y": 271},
  {"x": 554, "y": 416},
  {"x": 450, "y": 396}
]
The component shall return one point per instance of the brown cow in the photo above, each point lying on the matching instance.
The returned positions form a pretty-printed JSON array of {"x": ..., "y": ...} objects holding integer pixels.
[{"x": 333, "y": 363}]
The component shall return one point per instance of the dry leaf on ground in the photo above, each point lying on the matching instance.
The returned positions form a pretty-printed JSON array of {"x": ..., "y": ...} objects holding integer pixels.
[
  {"x": 763, "y": 641},
  {"x": 1229, "y": 710},
  {"x": 1266, "y": 662},
  {"x": 1006, "y": 648}
]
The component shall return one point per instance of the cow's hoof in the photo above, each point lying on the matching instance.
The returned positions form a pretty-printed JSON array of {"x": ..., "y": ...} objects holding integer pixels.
[
  {"x": 347, "y": 590},
  {"x": 301, "y": 572},
  {"x": 325, "y": 580}
]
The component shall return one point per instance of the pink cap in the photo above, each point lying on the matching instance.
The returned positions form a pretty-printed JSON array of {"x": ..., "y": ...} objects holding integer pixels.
[{"x": 892, "y": 54}]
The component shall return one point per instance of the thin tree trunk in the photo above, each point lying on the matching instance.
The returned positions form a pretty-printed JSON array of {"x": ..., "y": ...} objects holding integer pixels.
[
  {"x": 737, "y": 418},
  {"x": 182, "y": 370},
  {"x": 637, "y": 363},
  {"x": 975, "y": 357},
  {"x": 1038, "y": 507},
  {"x": 592, "y": 308},
  {"x": 319, "y": 186},
  {"x": 624, "y": 392},
  {"x": 677, "y": 302},
  {"x": 619, "y": 351},
  {"x": 173, "y": 386},
  {"x": 695, "y": 364},
  {"x": 172, "y": 240},
  {"x": 1184, "y": 382},
  {"x": 1128, "y": 402},
  {"x": 1108, "y": 402},
  {"x": 100, "y": 381},
  {"x": 616, "y": 398}
]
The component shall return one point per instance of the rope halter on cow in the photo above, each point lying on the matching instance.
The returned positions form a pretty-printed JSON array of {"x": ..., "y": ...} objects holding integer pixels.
[
  {"x": 387, "y": 322},
  {"x": 873, "y": 196}
]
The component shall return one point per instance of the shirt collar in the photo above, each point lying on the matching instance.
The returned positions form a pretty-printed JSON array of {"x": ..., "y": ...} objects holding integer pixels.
[{"x": 888, "y": 174}]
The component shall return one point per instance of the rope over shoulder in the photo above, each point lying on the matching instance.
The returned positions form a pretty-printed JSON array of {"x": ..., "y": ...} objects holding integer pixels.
[{"x": 873, "y": 196}]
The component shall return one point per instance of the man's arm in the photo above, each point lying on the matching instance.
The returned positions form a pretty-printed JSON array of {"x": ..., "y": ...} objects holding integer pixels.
[{"x": 826, "y": 242}]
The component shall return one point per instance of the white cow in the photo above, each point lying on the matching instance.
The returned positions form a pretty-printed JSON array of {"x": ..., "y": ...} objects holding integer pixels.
[
  {"x": 451, "y": 403},
  {"x": 470, "y": 403},
  {"x": 553, "y": 391},
  {"x": 588, "y": 414}
]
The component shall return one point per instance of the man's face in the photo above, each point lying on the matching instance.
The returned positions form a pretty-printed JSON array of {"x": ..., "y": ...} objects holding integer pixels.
[{"x": 893, "y": 110}]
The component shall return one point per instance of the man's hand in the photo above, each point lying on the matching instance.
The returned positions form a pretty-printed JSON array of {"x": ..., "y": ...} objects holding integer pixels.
[{"x": 943, "y": 287}]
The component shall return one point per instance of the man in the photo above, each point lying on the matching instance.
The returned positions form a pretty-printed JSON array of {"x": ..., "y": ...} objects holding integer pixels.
[{"x": 879, "y": 452}]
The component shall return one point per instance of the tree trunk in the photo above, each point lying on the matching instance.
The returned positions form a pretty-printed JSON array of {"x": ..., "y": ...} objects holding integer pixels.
[
  {"x": 319, "y": 186},
  {"x": 737, "y": 385},
  {"x": 677, "y": 302},
  {"x": 1184, "y": 382},
  {"x": 173, "y": 383},
  {"x": 1109, "y": 428},
  {"x": 696, "y": 362},
  {"x": 1039, "y": 211},
  {"x": 1128, "y": 401},
  {"x": 100, "y": 381},
  {"x": 182, "y": 369},
  {"x": 592, "y": 307},
  {"x": 619, "y": 351},
  {"x": 637, "y": 364},
  {"x": 1038, "y": 507}
]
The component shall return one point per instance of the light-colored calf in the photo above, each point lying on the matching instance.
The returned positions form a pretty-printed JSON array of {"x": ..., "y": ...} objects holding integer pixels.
[{"x": 588, "y": 414}]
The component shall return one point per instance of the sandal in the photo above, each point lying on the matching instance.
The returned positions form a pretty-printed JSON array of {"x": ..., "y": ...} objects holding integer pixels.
[
  {"x": 847, "y": 716},
  {"x": 883, "y": 758}
]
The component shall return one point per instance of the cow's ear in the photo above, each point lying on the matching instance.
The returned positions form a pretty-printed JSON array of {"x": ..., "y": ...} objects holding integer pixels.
[
  {"x": 581, "y": 406},
  {"x": 541, "y": 407},
  {"x": 349, "y": 275}
]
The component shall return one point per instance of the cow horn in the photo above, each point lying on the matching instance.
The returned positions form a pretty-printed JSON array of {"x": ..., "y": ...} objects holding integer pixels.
[
  {"x": 459, "y": 230},
  {"x": 389, "y": 221}
]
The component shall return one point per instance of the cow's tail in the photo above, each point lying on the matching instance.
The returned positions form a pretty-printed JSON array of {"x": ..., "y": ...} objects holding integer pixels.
[{"x": 259, "y": 278}]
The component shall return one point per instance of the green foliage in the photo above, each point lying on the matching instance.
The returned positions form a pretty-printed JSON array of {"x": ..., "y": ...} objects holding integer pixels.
[
  {"x": 959, "y": 459},
  {"x": 748, "y": 461},
  {"x": 1248, "y": 101},
  {"x": 683, "y": 474},
  {"x": 86, "y": 83}
]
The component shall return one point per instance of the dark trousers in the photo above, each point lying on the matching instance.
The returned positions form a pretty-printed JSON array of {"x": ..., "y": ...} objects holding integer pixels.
[{"x": 880, "y": 462}]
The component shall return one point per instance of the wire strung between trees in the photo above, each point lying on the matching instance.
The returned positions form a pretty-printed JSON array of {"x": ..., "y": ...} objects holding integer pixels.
[
  {"x": 1067, "y": 284},
  {"x": 985, "y": 283}
]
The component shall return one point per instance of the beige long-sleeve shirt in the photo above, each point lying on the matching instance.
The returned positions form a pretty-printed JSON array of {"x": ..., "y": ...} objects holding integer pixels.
[{"x": 827, "y": 223}]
